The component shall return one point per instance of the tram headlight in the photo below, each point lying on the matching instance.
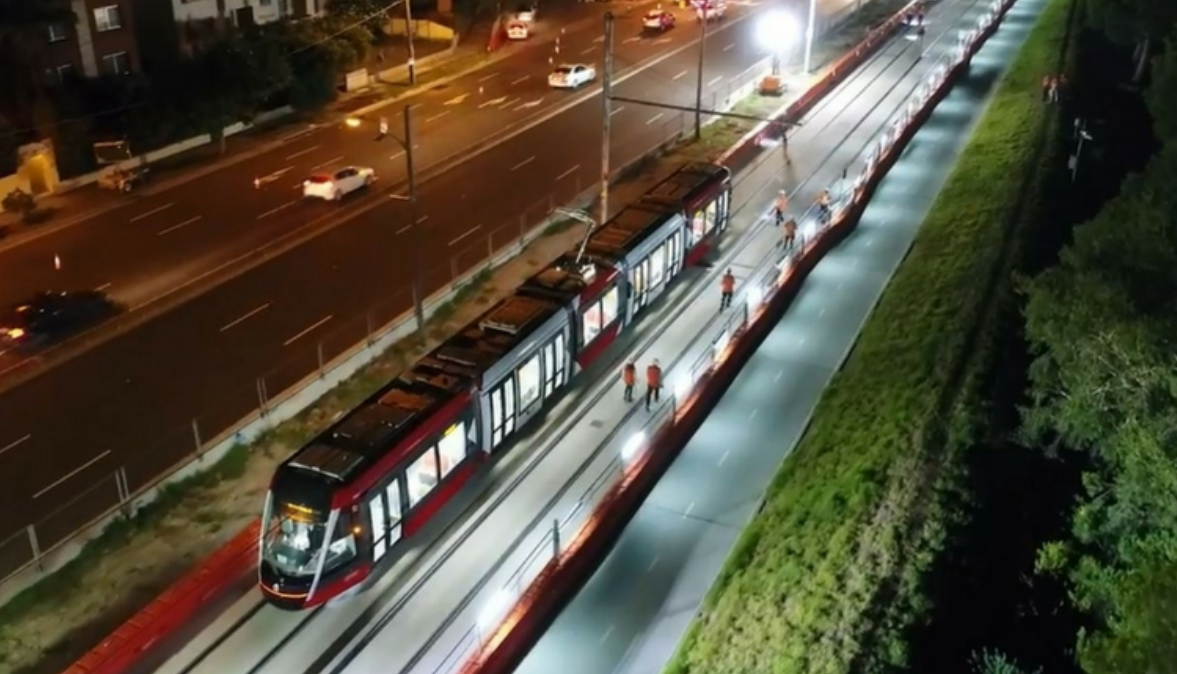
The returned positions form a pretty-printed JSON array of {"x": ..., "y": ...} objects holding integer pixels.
[
  {"x": 632, "y": 446},
  {"x": 682, "y": 386},
  {"x": 755, "y": 297},
  {"x": 493, "y": 612}
]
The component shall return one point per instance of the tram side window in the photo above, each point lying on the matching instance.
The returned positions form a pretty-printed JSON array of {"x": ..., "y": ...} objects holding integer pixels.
[
  {"x": 698, "y": 226},
  {"x": 599, "y": 315},
  {"x": 452, "y": 448},
  {"x": 393, "y": 491},
  {"x": 529, "y": 382},
  {"x": 422, "y": 476},
  {"x": 658, "y": 265}
]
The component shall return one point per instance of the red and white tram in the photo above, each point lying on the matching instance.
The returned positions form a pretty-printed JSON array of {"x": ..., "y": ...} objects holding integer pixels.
[{"x": 337, "y": 508}]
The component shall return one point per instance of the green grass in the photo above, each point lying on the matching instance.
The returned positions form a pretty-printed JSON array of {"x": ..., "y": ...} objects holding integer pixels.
[{"x": 827, "y": 576}]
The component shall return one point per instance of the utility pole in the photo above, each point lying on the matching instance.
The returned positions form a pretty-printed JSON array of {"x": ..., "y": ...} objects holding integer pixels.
[
  {"x": 808, "y": 35},
  {"x": 606, "y": 117},
  {"x": 699, "y": 83},
  {"x": 412, "y": 50},
  {"x": 414, "y": 227}
]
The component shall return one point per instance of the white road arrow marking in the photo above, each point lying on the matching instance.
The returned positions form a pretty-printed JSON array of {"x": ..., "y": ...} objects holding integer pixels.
[
  {"x": 456, "y": 99},
  {"x": 530, "y": 104},
  {"x": 496, "y": 101}
]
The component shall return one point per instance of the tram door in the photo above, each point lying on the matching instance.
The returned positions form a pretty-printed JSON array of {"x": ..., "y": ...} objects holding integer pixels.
[{"x": 384, "y": 513}]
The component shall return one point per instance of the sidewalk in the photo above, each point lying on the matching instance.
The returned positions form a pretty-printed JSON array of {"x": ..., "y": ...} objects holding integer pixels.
[{"x": 435, "y": 66}]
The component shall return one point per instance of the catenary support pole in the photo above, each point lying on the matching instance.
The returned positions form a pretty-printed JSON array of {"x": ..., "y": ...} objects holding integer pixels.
[
  {"x": 606, "y": 117},
  {"x": 699, "y": 80},
  {"x": 414, "y": 227},
  {"x": 809, "y": 30},
  {"x": 412, "y": 49}
]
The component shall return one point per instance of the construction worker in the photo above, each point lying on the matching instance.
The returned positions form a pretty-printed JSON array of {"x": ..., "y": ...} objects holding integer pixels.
[
  {"x": 629, "y": 374},
  {"x": 653, "y": 383},
  {"x": 727, "y": 286},
  {"x": 790, "y": 234},
  {"x": 781, "y": 205}
]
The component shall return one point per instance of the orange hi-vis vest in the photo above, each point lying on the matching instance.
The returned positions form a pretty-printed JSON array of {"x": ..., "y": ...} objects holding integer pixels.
[
  {"x": 653, "y": 376},
  {"x": 728, "y": 283},
  {"x": 629, "y": 374}
]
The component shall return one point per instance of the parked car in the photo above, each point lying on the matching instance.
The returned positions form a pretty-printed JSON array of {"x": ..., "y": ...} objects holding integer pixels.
[
  {"x": 517, "y": 30},
  {"x": 335, "y": 186},
  {"x": 571, "y": 76},
  {"x": 658, "y": 20},
  {"x": 124, "y": 180},
  {"x": 50, "y": 316}
]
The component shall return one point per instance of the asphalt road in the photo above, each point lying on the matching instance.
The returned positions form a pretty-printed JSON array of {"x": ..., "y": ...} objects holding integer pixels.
[
  {"x": 154, "y": 243},
  {"x": 132, "y": 401},
  {"x": 630, "y": 616}
]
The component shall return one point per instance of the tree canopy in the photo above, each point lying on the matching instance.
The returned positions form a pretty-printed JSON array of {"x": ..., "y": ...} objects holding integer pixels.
[{"x": 1103, "y": 326}]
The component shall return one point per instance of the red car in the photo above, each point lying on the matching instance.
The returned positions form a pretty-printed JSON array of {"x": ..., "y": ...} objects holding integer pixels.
[{"x": 658, "y": 20}]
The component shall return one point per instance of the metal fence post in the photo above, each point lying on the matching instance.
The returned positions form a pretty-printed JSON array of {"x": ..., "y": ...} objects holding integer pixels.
[
  {"x": 261, "y": 395},
  {"x": 556, "y": 538},
  {"x": 322, "y": 368},
  {"x": 370, "y": 330},
  {"x": 124, "y": 489},
  {"x": 196, "y": 436},
  {"x": 35, "y": 546}
]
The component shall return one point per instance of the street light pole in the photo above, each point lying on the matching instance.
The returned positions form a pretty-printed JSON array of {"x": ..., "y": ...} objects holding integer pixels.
[
  {"x": 699, "y": 82},
  {"x": 412, "y": 50},
  {"x": 606, "y": 116},
  {"x": 809, "y": 29},
  {"x": 418, "y": 290}
]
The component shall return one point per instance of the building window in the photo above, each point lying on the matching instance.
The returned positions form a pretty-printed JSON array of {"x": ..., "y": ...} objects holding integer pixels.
[
  {"x": 57, "y": 32},
  {"x": 117, "y": 63},
  {"x": 61, "y": 74},
  {"x": 107, "y": 18}
]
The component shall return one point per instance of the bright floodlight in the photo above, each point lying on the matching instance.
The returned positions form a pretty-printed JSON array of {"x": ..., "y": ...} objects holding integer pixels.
[{"x": 777, "y": 31}]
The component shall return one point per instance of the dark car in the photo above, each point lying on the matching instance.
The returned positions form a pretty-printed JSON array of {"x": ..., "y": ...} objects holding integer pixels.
[{"x": 50, "y": 316}]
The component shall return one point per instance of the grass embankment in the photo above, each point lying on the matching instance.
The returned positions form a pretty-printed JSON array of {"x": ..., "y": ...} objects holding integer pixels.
[{"x": 828, "y": 575}]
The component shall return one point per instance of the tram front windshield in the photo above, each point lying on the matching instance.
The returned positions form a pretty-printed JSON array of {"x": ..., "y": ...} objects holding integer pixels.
[{"x": 297, "y": 538}]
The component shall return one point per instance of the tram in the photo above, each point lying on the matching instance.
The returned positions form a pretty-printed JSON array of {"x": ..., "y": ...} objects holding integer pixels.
[{"x": 337, "y": 509}]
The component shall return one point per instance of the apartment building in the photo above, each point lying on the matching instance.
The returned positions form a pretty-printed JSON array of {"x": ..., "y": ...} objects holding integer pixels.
[
  {"x": 242, "y": 13},
  {"x": 100, "y": 42}
]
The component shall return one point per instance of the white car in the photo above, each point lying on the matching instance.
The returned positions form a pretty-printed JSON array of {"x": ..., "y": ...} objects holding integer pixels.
[
  {"x": 572, "y": 76},
  {"x": 333, "y": 186},
  {"x": 526, "y": 12},
  {"x": 710, "y": 10},
  {"x": 517, "y": 30}
]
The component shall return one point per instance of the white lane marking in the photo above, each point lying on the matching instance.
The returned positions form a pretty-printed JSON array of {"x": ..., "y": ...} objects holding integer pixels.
[
  {"x": 470, "y": 231},
  {"x": 398, "y": 155},
  {"x": 302, "y": 152},
  {"x": 729, "y": 47},
  {"x": 653, "y": 564},
  {"x": 723, "y": 459},
  {"x": 456, "y": 100},
  {"x": 662, "y": 40},
  {"x": 72, "y": 473},
  {"x": 245, "y": 317},
  {"x": 520, "y": 79},
  {"x": 631, "y": 40},
  {"x": 605, "y": 636},
  {"x": 272, "y": 211},
  {"x": 102, "y": 287},
  {"x": 306, "y": 332},
  {"x": 616, "y": 110},
  {"x": 599, "y": 39},
  {"x": 715, "y": 81},
  {"x": 680, "y": 75},
  {"x": 152, "y": 212},
  {"x": 173, "y": 228},
  {"x": 491, "y": 76},
  {"x": 326, "y": 163},
  {"x": 568, "y": 172},
  {"x": 404, "y": 229},
  {"x": 687, "y": 513},
  {"x": 13, "y": 444},
  {"x": 753, "y": 414},
  {"x": 523, "y": 163},
  {"x": 589, "y": 50},
  {"x": 437, "y": 116},
  {"x": 653, "y": 119},
  {"x": 779, "y": 374},
  {"x": 493, "y": 101},
  {"x": 421, "y": 219}
]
